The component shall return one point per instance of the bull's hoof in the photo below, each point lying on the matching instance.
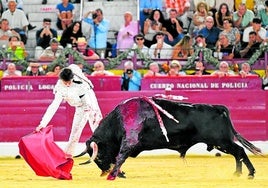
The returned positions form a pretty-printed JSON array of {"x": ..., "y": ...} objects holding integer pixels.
[
  {"x": 237, "y": 174},
  {"x": 110, "y": 177},
  {"x": 104, "y": 173},
  {"x": 121, "y": 174},
  {"x": 250, "y": 176}
]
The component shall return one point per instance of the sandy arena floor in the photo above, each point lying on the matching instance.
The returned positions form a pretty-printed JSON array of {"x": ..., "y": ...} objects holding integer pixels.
[{"x": 144, "y": 171}]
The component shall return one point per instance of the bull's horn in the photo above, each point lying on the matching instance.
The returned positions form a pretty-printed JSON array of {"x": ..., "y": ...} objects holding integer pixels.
[
  {"x": 84, "y": 163},
  {"x": 81, "y": 154},
  {"x": 94, "y": 146}
]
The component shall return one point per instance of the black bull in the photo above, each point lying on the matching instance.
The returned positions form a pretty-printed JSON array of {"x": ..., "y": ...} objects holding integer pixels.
[{"x": 139, "y": 124}]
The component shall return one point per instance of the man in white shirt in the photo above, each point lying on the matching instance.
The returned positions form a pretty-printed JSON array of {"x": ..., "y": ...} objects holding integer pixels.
[
  {"x": 256, "y": 26},
  {"x": 17, "y": 19},
  {"x": 160, "y": 50}
]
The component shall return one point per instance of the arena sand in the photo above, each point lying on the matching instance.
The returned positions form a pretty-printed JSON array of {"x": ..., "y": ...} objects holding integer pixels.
[{"x": 143, "y": 172}]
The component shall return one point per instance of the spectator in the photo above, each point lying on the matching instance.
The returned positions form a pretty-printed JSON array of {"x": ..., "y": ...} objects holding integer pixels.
[
  {"x": 16, "y": 48},
  {"x": 99, "y": 70},
  {"x": 200, "y": 41},
  {"x": 52, "y": 52},
  {"x": 210, "y": 3},
  {"x": 230, "y": 4},
  {"x": 210, "y": 33},
  {"x": 146, "y": 8},
  {"x": 200, "y": 16},
  {"x": 184, "y": 48},
  {"x": 250, "y": 47},
  {"x": 231, "y": 32},
  {"x": 223, "y": 70},
  {"x": 211, "y": 6},
  {"x": 34, "y": 69},
  {"x": 18, "y": 6},
  {"x": 263, "y": 15},
  {"x": 126, "y": 33},
  {"x": 243, "y": 17},
  {"x": 175, "y": 69},
  {"x": 84, "y": 50},
  {"x": 17, "y": 19},
  {"x": 99, "y": 31},
  {"x": 200, "y": 69},
  {"x": 55, "y": 70},
  {"x": 71, "y": 34},
  {"x": 222, "y": 13},
  {"x": 246, "y": 70},
  {"x": 43, "y": 37},
  {"x": 6, "y": 33},
  {"x": 173, "y": 28},
  {"x": 227, "y": 49},
  {"x": 139, "y": 43},
  {"x": 11, "y": 71},
  {"x": 131, "y": 79},
  {"x": 153, "y": 70},
  {"x": 256, "y": 26},
  {"x": 65, "y": 14},
  {"x": 265, "y": 79},
  {"x": 152, "y": 25},
  {"x": 160, "y": 49}
]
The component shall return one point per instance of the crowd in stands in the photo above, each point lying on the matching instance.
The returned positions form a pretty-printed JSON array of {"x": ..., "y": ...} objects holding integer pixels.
[{"x": 230, "y": 29}]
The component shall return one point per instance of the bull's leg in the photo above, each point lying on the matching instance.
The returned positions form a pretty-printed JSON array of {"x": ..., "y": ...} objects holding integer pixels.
[
  {"x": 240, "y": 156},
  {"x": 249, "y": 165},
  {"x": 120, "y": 159}
]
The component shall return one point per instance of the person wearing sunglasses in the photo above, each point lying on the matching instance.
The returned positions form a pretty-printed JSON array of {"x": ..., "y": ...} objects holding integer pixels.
[{"x": 139, "y": 44}]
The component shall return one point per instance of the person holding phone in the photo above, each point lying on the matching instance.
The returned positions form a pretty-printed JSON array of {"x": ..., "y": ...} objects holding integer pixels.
[
  {"x": 16, "y": 49},
  {"x": 43, "y": 37}
]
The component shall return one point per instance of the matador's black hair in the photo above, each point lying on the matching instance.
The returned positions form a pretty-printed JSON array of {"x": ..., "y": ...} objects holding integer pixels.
[{"x": 66, "y": 74}]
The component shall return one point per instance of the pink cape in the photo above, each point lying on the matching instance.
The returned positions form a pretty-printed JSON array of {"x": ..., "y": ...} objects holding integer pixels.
[{"x": 44, "y": 156}]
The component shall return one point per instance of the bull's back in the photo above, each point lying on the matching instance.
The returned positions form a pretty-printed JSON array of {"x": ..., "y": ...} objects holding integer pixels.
[{"x": 197, "y": 122}]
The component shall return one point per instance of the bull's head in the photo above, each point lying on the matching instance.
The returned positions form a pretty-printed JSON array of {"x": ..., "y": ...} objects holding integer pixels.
[{"x": 104, "y": 155}]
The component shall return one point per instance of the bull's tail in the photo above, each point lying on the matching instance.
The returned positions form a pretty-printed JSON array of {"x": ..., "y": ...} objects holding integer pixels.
[
  {"x": 253, "y": 149},
  {"x": 249, "y": 146}
]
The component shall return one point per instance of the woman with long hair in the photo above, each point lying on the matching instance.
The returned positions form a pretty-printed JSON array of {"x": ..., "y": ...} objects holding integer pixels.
[
  {"x": 184, "y": 48},
  {"x": 221, "y": 14},
  {"x": 152, "y": 25},
  {"x": 199, "y": 17},
  {"x": 71, "y": 34}
]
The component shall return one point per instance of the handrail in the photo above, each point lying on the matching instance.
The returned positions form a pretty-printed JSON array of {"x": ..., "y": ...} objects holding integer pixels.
[{"x": 81, "y": 10}]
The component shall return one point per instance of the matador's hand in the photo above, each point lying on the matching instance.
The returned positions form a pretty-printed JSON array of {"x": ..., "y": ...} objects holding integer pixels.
[{"x": 38, "y": 128}]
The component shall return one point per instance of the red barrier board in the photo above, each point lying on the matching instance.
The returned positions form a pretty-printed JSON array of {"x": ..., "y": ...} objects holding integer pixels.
[
  {"x": 46, "y": 83},
  {"x": 201, "y": 82}
]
